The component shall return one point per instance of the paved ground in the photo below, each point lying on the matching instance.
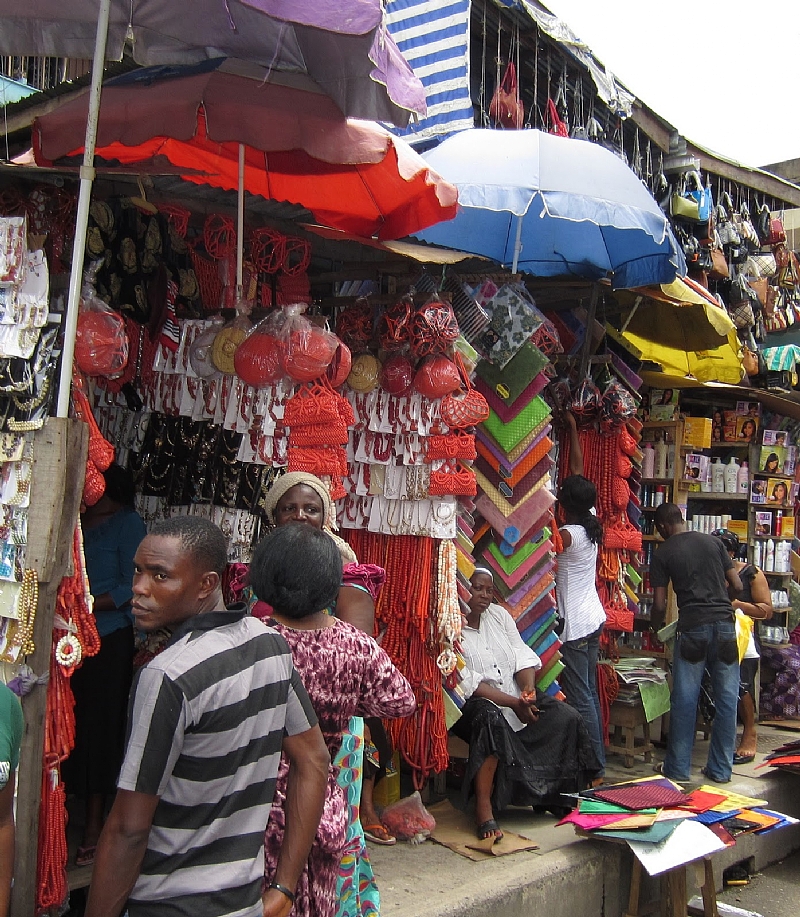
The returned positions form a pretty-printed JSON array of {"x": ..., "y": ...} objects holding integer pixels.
[
  {"x": 773, "y": 892},
  {"x": 566, "y": 875}
]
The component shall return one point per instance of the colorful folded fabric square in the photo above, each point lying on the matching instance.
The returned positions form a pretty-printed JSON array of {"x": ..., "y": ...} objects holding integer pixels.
[
  {"x": 513, "y": 319},
  {"x": 512, "y": 473},
  {"x": 525, "y": 589},
  {"x": 548, "y": 676},
  {"x": 511, "y": 528},
  {"x": 507, "y": 409},
  {"x": 700, "y": 801},
  {"x": 514, "y": 494},
  {"x": 656, "y": 833},
  {"x": 643, "y": 796},
  {"x": 537, "y": 621},
  {"x": 502, "y": 504},
  {"x": 713, "y": 818},
  {"x": 532, "y": 593},
  {"x": 510, "y": 435},
  {"x": 516, "y": 576},
  {"x": 510, "y": 564},
  {"x": 542, "y": 564}
]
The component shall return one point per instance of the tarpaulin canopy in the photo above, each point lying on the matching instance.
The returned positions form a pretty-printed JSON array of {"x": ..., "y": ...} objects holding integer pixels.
[
  {"x": 352, "y": 175},
  {"x": 341, "y": 46}
]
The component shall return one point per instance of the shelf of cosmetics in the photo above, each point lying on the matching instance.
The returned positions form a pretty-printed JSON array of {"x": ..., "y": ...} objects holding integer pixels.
[
  {"x": 773, "y": 555},
  {"x": 699, "y": 522}
]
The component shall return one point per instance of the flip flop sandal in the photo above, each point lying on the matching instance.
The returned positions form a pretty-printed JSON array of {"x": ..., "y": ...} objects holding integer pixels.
[
  {"x": 743, "y": 759},
  {"x": 379, "y": 835},
  {"x": 84, "y": 856},
  {"x": 487, "y": 829}
]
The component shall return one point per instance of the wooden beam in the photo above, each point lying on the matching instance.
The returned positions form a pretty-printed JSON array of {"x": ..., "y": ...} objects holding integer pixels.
[{"x": 59, "y": 464}]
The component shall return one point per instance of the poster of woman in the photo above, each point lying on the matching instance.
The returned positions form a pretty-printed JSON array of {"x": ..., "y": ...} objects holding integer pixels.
[
  {"x": 777, "y": 492},
  {"x": 746, "y": 429}
]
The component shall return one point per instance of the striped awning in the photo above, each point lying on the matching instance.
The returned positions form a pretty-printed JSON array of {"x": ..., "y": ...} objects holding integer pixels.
[{"x": 433, "y": 36}]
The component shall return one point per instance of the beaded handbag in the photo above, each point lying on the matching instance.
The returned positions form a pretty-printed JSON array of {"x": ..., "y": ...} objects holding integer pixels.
[
  {"x": 453, "y": 478},
  {"x": 455, "y": 445},
  {"x": 314, "y": 403},
  {"x": 101, "y": 452},
  {"x": 466, "y": 408}
]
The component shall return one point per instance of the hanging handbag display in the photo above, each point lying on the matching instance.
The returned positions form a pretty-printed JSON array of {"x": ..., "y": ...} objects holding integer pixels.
[
  {"x": 719, "y": 269},
  {"x": 465, "y": 408},
  {"x": 553, "y": 120},
  {"x": 506, "y": 108}
]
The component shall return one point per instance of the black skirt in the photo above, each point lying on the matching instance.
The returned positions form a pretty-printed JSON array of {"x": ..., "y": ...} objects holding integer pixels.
[{"x": 551, "y": 756}]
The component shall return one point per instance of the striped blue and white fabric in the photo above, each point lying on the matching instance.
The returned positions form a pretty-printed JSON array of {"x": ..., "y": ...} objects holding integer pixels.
[{"x": 433, "y": 36}]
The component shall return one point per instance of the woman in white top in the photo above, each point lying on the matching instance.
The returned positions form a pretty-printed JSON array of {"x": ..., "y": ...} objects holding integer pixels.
[
  {"x": 524, "y": 747},
  {"x": 579, "y": 604}
]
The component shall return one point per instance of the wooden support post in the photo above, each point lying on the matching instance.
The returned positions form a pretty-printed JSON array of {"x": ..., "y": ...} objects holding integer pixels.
[{"x": 59, "y": 465}]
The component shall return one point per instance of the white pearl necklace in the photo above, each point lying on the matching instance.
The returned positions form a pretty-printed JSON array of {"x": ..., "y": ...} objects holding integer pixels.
[{"x": 448, "y": 612}]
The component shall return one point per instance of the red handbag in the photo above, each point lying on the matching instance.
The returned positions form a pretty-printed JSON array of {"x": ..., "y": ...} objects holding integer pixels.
[
  {"x": 777, "y": 233},
  {"x": 456, "y": 445},
  {"x": 466, "y": 408},
  {"x": 453, "y": 479},
  {"x": 433, "y": 328},
  {"x": 506, "y": 108}
]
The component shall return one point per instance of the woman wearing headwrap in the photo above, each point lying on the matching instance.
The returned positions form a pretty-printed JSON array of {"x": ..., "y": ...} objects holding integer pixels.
[
  {"x": 525, "y": 748},
  {"x": 301, "y": 497}
]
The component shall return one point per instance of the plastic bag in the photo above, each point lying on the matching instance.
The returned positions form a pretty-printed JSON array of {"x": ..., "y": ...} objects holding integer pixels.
[
  {"x": 397, "y": 375},
  {"x": 308, "y": 348},
  {"x": 259, "y": 359},
  {"x": 229, "y": 337},
  {"x": 408, "y": 819},
  {"x": 586, "y": 403},
  {"x": 437, "y": 377},
  {"x": 101, "y": 342},
  {"x": 200, "y": 350}
]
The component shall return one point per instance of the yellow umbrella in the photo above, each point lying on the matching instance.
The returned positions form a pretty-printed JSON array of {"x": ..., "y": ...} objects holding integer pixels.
[{"x": 683, "y": 329}]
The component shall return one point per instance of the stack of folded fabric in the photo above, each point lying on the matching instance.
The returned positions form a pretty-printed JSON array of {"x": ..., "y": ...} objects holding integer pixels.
[
  {"x": 653, "y": 811},
  {"x": 514, "y": 505}
]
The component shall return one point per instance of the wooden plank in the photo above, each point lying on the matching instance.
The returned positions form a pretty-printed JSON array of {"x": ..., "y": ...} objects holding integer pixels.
[{"x": 59, "y": 463}]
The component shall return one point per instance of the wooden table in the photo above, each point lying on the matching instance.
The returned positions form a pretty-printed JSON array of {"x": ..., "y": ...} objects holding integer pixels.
[{"x": 673, "y": 898}]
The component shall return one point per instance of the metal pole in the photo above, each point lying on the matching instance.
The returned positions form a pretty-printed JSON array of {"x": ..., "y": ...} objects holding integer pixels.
[
  {"x": 87, "y": 174},
  {"x": 240, "y": 226},
  {"x": 517, "y": 246}
]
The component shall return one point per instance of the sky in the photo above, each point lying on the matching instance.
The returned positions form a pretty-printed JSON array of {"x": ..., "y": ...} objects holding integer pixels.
[{"x": 725, "y": 73}]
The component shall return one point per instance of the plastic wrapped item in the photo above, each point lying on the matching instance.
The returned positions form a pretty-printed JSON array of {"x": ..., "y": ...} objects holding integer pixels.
[
  {"x": 394, "y": 324},
  {"x": 364, "y": 374},
  {"x": 587, "y": 400},
  {"x": 354, "y": 325},
  {"x": 408, "y": 819},
  {"x": 436, "y": 377},
  {"x": 101, "y": 342},
  {"x": 308, "y": 348},
  {"x": 200, "y": 350},
  {"x": 258, "y": 360},
  {"x": 617, "y": 404},
  {"x": 229, "y": 337},
  {"x": 397, "y": 375},
  {"x": 433, "y": 328}
]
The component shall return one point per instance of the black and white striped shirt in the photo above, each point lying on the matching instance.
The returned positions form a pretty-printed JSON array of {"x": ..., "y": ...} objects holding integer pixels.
[{"x": 205, "y": 725}]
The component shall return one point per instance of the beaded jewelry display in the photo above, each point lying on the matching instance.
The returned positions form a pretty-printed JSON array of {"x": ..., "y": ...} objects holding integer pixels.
[
  {"x": 448, "y": 612},
  {"x": 26, "y": 612}
]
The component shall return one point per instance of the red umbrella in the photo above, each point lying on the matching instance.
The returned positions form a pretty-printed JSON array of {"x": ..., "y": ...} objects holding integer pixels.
[{"x": 352, "y": 175}]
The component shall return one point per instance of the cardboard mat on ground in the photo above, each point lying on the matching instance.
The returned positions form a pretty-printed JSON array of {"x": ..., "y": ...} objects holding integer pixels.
[{"x": 456, "y": 830}]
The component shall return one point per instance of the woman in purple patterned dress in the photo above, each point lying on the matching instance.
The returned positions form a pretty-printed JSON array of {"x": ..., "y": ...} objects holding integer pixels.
[{"x": 297, "y": 570}]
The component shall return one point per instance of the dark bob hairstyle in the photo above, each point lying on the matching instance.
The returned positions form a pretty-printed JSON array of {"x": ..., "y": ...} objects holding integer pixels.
[{"x": 297, "y": 569}]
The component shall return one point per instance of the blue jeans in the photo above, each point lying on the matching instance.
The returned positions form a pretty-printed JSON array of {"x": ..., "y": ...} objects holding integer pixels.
[
  {"x": 579, "y": 683},
  {"x": 712, "y": 646}
]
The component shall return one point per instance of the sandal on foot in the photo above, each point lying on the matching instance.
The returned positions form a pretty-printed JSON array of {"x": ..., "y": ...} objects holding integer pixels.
[
  {"x": 488, "y": 828},
  {"x": 379, "y": 835},
  {"x": 84, "y": 856},
  {"x": 743, "y": 759}
]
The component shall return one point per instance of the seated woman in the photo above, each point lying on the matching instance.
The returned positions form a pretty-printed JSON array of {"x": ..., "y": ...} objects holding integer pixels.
[
  {"x": 297, "y": 569},
  {"x": 524, "y": 747}
]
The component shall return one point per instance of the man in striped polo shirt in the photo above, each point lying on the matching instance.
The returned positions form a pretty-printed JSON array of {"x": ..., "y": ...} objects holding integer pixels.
[{"x": 208, "y": 719}]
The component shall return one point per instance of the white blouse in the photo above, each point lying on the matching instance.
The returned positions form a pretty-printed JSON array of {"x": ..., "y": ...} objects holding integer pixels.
[
  {"x": 578, "y": 602},
  {"x": 494, "y": 653}
]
